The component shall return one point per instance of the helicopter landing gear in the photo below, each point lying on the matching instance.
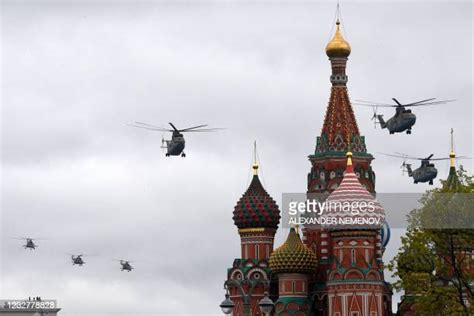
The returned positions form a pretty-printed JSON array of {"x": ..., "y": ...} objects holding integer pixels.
[
  {"x": 183, "y": 155},
  {"x": 416, "y": 182},
  {"x": 431, "y": 182},
  {"x": 409, "y": 131},
  {"x": 392, "y": 133},
  {"x": 167, "y": 154}
]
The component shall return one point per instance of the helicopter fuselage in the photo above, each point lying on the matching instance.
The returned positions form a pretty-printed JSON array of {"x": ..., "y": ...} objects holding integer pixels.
[
  {"x": 77, "y": 260},
  {"x": 425, "y": 173},
  {"x": 30, "y": 244},
  {"x": 402, "y": 121},
  {"x": 175, "y": 146},
  {"x": 126, "y": 266}
]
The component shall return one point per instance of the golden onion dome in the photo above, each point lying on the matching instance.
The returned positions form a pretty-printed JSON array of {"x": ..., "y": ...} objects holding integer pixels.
[
  {"x": 338, "y": 46},
  {"x": 293, "y": 256}
]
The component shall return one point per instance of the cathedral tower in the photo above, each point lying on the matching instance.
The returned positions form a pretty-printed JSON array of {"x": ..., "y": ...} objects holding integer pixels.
[
  {"x": 256, "y": 216},
  {"x": 355, "y": 283},
  {"x": 293, "y": 262},
  {"x": 339, "y": 135}
]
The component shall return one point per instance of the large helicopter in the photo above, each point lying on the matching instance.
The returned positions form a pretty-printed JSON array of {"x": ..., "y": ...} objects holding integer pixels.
[
  {"x": 404, "y": 119},
  {"x": 427, "y": 171},
  {"x": 126, "y": 266},
  {"x": 175, "y": 146},
  {"x": 30, "y": 244},
  {"x": 77, "y": 260}
]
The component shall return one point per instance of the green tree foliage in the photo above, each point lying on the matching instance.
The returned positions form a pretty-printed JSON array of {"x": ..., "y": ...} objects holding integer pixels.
[{"x": 434, "y": 265}]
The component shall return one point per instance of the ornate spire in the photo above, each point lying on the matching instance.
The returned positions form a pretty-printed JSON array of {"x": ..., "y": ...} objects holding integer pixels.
[
  {"x": 452, "y": 155},
  {"x": 340, "y": 132},
  {"x": 452, "y": 182},
  {"x": 255, "y": 162}
]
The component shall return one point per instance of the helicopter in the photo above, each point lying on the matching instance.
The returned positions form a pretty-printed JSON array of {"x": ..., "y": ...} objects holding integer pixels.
[
  {"x": 404, "y": 119},
  {"x": 427, "y": 171},
  {"x": 126, "y": 266},
  {"x": 30, "y": 244},
  {"x": 77, "y": 260},
  {"x": 175, "y": 146}
]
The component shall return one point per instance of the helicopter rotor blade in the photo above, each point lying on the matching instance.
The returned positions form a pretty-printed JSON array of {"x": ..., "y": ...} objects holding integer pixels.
[
  {"x": 396, "y": 101},
  {"x": 370, "y": 103},
  {"x": 151, "y": 128},
  {"x": 398, "y": 155},
  {"x": 174, "y": 127},
  {"x": 407, "y": 156},
  {"x": 149, "y": 125},
  {"x": 430, "y": 103},
  {"x": 429, "y": 157},
  {"x": 192, "y": 128},
  {"x": 422, "y": 101},
  {"x": 204, "y": 130}
]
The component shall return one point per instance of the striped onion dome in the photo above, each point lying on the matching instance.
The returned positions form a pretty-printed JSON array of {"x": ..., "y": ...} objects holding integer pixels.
[
  {"x": 351, "y": 201},
  {"x": 256, "y": 208},
  {"x": 293, "y": 256}
]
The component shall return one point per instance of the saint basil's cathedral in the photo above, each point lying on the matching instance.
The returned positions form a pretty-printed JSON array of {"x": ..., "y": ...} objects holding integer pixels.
[{"x": 318, "y": 270}]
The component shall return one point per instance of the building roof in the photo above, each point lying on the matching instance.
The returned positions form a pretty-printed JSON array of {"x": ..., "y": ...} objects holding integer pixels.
[
  {"x": 293, "y": 256},
  {"x": 352, "y": 200},
  {"x": 338, "y": 46},
  {"x": 256, "y": 208}
]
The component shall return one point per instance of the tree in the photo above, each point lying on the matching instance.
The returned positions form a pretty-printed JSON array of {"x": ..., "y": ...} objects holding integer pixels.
[{"x": 435, "y": 265}]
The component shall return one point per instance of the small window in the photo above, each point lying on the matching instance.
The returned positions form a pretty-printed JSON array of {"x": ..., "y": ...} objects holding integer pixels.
[
  {"x": 257, "y": 251},
  {"x": 353, "y": 255}
]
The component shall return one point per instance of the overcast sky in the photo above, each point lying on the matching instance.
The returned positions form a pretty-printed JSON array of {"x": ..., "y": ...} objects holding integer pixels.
[{"x": 73, "y": 173}]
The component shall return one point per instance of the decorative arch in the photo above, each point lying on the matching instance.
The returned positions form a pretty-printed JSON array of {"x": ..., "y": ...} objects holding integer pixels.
[
  {"x": 235, "y": 275},
  {"x": 335, "y": 275},
  {"x": 261, "y": 271},
  {"x": 353, "y": 274},
  {"x": 373, "y": 275}
]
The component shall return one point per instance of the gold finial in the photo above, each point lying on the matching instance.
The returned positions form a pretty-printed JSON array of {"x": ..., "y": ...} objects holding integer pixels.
[
  {"x": 338, "y": 46},
  {"x": 255, "y": 162},
  {"x": 452, "y": 155},
  {"x": 349, "y": 158}
]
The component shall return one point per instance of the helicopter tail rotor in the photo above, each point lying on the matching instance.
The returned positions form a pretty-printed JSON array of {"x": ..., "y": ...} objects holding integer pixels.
[
  {"x": 406, "y": 167},
  {"x": 375, "y": 117},
  {"x": 163, "y": 143}
]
